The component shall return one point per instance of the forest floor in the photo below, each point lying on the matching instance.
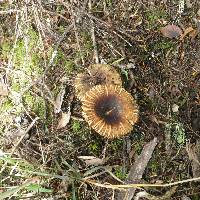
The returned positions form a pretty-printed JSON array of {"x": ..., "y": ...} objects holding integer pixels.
[{"x": 48, "y": 151}]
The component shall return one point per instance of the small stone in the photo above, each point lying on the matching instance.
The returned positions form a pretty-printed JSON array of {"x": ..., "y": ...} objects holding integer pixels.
[{"x": 175, "y": 108}]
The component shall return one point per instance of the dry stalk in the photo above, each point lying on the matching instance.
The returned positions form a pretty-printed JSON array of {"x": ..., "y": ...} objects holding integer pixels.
[
  {"x": 138, "y": 185},
  {"x": 93, "y": 36}
]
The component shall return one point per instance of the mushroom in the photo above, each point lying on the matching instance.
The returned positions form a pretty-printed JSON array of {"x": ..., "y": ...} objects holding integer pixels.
[
  {"x": 97, "y": 74},
  {"x": 110, "y": 110}
]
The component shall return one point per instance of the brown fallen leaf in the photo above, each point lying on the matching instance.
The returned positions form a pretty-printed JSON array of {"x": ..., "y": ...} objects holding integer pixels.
[
  {"x": 186, "y": 32},
  {"x": 194, "y": 34},
  {"x": 171, "y": 31},
  {"x": 64, "y": 120},
  {"x": 137, "y": 169},
  {"x": 193, "y": 151}
]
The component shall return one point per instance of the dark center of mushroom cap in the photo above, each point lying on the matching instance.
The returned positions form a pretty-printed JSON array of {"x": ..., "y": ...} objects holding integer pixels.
[{"x": 109, "y": 108}]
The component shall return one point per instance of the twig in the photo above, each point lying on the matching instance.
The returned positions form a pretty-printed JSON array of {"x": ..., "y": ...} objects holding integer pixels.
[
  {"x": 138, "y": 168},
  {"x": 53, "y": 55},
  {"x": 5, "y": 12},
  {"x": 76, "y": 35},
  {"x": 114, "y": 30},
  {"x": 93, "y": 36}
]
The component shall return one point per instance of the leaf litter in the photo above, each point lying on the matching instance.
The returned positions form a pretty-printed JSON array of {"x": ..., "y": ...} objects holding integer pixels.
[
  {"x": 151, "y": 68},
  {"x": 171, "y": 31}
]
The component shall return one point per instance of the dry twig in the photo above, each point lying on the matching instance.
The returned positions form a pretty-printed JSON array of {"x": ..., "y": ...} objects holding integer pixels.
[{"x": 137, "y": 169}]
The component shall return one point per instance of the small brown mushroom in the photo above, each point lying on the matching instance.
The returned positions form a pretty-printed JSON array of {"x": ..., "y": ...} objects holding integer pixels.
[
  {"x": 110, "y": 110},
  {"x": 97, "y": 74}
]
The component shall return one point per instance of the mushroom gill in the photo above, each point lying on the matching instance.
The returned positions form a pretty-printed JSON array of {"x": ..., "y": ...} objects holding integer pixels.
[{"x": 110, "y": 110}]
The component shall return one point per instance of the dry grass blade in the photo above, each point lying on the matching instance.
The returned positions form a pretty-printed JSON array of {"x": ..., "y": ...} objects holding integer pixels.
[
  {"x": 138, "y": 185},
  {"x": 93, "y": 36}
]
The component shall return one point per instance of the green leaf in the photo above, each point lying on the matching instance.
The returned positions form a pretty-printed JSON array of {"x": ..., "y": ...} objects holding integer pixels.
[
  {"x": 12, "y": 191},
  {"x": 125, "y": 72},
  {"x": 38, "y": 188}
]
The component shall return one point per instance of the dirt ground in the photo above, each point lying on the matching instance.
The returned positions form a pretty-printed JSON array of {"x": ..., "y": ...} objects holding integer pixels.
[{"x": 48, "y": 151}]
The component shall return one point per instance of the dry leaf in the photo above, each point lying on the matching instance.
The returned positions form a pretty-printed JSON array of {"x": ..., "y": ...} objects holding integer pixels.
[
  {"x": 59, "y": 100},
  {"x": 171, "y": 31},
  {"x": 92, "y": 160},
  {"x": 194, "y": 34},
  {"x": 186, "y": 32},
  {"x": 194, "y": 155},
  {"x": 3, "y": 89},
  {"x": 64, "y": 120}
]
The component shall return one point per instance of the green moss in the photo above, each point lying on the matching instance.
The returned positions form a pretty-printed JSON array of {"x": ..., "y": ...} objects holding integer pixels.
[
  {"x": 64, "y": 62},
  {"x": 86, "y": 46},
  {"x": 5, "y": 50},
  {"x": 94, "y": 147},
  {"x": 36, "y": 104},
  {"x": 27, "y": 59},
  {"x": 154, "y": 166},
  {"x": 26, "y": 64},
  {"x": 163, "y": 45},
  {"x": 19, "y": 54},
  {"x": 76, "y": 126},
  {"x": 153, "y": 15},
  {"x": 116, "y": 144},
  {"x": 121, "y": 173},
  {"x": 61, "y": 29},
  {"x": 80, "y": 129},
  {"x": 177, "y": 131},
  {"x": 7, "y": 105},
  {"x": 109, "y": 3},
  {"x": 87, "y": 41},
  {"x": 138, "y": 148}
]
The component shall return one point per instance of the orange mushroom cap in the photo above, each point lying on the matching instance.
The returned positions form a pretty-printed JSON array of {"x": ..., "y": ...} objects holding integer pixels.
[{"x": 110, "y": 110}]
